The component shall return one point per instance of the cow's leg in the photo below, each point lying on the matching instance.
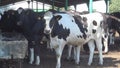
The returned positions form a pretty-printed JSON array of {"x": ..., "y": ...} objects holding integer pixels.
[
  {"x": 105, "y": 43},
  {"x": 111, "y": 39},
  {"x": 31, "y": 51},
  {"x": 59, "y": 51},
  {"x": 37, "y": 54},
  {"x": 74, "y": 49},
  {"x": 69, "y": 51},
  {"x": 77, "y": 54},
  {"x": 99, "y": 46},
  {"x": 91, "y": 48},
  {"x": 38, "y": 38}
]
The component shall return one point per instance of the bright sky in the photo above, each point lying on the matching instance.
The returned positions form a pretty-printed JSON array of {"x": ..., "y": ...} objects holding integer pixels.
[
  {"x": 23, "y": 4},
  {"x": 98, "y": 6}
]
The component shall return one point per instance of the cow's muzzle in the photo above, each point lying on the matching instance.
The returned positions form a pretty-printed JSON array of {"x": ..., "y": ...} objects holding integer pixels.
[{"x": 47, "y": 31}]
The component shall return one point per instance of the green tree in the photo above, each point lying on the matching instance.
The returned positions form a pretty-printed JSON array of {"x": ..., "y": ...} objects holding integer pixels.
[{"x": 115, "y": 6}]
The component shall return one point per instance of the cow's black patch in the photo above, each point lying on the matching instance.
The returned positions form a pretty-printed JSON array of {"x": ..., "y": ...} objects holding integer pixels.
[
  {"x": 94, "y": 23},
  {"x": 93, "y": 31},
  {"x": 58, "y": 29},
  {"x": 80, "y": 25},
  {"x": 79, "y": 36},
  {"x": 85, "y": 22}
]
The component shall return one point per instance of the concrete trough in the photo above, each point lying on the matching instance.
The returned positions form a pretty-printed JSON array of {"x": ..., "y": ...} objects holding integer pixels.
[{"x": 13, "y": 45}]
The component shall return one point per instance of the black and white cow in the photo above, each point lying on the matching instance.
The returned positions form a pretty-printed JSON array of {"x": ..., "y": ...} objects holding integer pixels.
[
  {"x": 104, "y": 38},
  {"x": 66, "y": 29},
  {"x": 32, "y": 24}
]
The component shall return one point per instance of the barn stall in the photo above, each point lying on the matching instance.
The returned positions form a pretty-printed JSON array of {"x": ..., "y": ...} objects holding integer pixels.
[{"x": 15, "y": 46}]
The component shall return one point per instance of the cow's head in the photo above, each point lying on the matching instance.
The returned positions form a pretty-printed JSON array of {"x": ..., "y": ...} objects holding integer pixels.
[{"x": 50, "y": 19}]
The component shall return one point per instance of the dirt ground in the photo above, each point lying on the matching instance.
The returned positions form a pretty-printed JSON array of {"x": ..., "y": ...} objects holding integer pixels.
[{"x": 48, "y": 60}]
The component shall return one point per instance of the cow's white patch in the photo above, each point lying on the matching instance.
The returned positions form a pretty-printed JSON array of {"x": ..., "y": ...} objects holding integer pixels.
[{"x": 48, "y": 16}]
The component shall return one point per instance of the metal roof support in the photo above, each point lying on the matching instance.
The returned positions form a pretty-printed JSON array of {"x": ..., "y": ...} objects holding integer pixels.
[
  {"x": 58, "y": 9},
  {"x": 36, "y": 6},
  {"x": 75, "y": 7},
  {"x": 90, "y": 6},
  {"x": 107, "y": 6},
  {"x": 53, "y": 4},
  {"x": 43, "y": 6},
  {"x": 32, "y": 3},
  {"x": 66, "y": 4},
  {"x": 28, "y": 3}
]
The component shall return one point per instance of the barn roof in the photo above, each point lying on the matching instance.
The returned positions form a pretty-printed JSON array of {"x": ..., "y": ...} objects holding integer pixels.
[{"x": 58, "y": 3}]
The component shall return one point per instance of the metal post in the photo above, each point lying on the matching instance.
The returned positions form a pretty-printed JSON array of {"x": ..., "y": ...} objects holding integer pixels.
[
  {"x": 58, "y": 9},
  {"x": 66, "y": 4},
  {"x": 53, "y": 4},
  {"x": 43, "y": 6},
  {"x": 32, "y": 3},
  {"x": 107, "y": 6},
  {"x": 36, "y": 6},
  {"x": 28, "y": 3},
  {"x": 75, "y": 7},
  {"x": 90, "y": 6}
]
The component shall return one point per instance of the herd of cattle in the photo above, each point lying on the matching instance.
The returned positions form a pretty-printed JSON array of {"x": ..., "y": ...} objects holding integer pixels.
[{"x": 60, "y": 29}]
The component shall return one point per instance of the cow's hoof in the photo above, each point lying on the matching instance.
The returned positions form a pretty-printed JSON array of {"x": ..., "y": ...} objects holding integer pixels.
[
  {"x": 57, "y": 66},
  {"x": 37, "y": 60},
  {"x": 37, "y": 63},
  {"x": 101, "y": 63},
  {"x": 89, "y": 64},
  {"x": 31, "y": 62},
  {"x": 77, "y": 62}
]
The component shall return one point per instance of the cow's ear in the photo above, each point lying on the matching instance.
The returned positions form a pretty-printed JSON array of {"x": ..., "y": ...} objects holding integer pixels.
[
  {"x": 84, "y": 19},
  {"x": 58, "y": 17}
]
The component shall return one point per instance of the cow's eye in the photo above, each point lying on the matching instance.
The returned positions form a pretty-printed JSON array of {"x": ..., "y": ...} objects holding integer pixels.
[{"x": 94, "y": 23}]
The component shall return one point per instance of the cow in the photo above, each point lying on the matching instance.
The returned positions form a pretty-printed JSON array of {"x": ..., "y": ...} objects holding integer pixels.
[
  {"x": 32, "y": 24},
  {"x": 7, "y": 22},
  {"x": 76, "y": 31},
  {"x": 114, "y": 23},
  {"x": 29, "y": 23}
]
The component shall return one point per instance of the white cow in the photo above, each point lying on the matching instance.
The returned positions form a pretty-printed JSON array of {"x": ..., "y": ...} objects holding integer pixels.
[{"x": 66, "y": 29}]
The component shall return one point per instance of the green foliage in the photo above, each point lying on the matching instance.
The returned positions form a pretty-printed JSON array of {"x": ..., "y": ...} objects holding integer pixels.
[{"x": 115, "y": 6}]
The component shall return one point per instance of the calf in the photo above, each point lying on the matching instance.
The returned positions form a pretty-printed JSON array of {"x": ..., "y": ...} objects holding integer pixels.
[{"x": 66, "y": 29}]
